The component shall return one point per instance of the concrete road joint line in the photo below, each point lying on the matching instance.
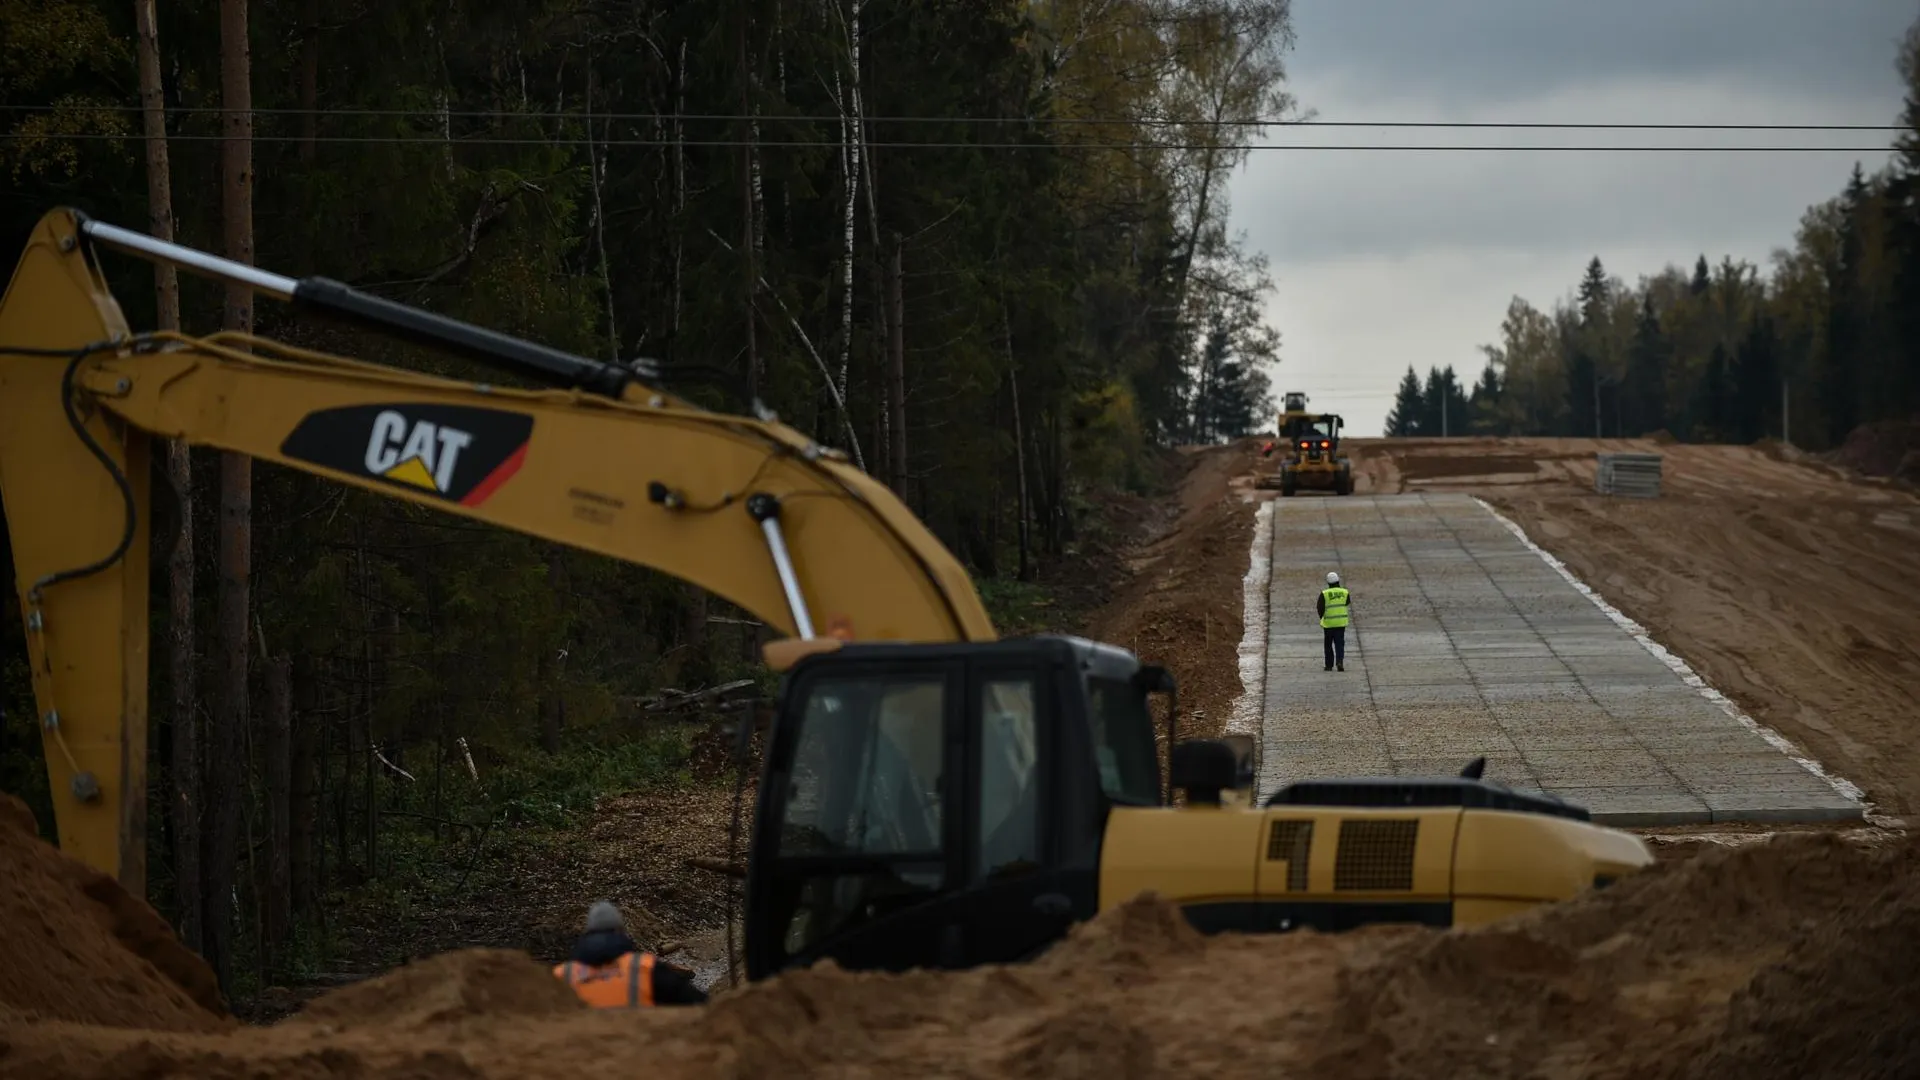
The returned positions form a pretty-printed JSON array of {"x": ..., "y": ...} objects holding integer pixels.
[
  {"x": 1843, "y": 787},
  {"x": 1249, "y": 709},
  {"x": 1340, "y": 564},
  {"x": 1547, "y": 639},
  {"x": 1453, "y": 645}
]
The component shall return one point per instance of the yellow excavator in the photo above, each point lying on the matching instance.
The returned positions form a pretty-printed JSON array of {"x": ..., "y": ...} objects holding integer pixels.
[{"x": 930, "y": 795}]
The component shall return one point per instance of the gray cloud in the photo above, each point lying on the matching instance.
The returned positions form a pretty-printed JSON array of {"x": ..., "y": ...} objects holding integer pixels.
[
  {"x": 1388, "y": 259},
  {"x": 1306, "y": 205},
  {"x": 1464, "y": 52}
]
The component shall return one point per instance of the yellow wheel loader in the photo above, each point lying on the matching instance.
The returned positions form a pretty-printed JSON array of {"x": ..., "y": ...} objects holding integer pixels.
[
  {"x": 931, "y": 796},
  {"x": 1310, "y": 454}
]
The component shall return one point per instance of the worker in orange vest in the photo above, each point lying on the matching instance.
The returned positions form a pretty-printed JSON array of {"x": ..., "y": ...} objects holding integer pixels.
[{"x": 609, "y": 971}]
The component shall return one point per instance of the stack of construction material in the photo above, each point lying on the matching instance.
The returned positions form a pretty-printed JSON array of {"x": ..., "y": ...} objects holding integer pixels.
[{"x": 1633, "y": 475}]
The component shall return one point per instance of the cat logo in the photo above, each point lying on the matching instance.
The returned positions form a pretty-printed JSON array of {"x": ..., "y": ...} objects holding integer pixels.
[
  {"x": 459, "y": 453},
  {"x": 422, "y": 454}
]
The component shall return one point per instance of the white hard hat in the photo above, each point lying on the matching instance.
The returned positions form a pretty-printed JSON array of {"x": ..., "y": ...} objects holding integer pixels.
[{"x": 1333, "y": 578}]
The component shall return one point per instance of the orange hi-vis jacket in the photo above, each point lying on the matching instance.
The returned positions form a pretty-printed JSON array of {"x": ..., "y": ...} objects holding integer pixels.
[{"x": 622, "y": 984}]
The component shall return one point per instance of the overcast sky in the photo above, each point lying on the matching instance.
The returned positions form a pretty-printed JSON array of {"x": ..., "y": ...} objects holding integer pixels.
[{"x": 1387, "y": 259}]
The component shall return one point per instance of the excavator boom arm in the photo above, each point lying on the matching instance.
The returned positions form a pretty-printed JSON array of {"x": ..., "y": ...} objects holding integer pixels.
[{"x": 747, "y": 509}]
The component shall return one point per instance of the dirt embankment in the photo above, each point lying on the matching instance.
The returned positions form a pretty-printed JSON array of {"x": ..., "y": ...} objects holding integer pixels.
[
  {"x": 1889, "y": 448},
  {"x": 1180, "y": 604},
  {"x": 1787, "y": 959},
  {"x": 1788, "y": 583},
  {"x": 75, "y": 946}
]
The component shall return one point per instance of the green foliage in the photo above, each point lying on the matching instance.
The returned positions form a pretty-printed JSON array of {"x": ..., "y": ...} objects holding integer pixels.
[
  {"x": 1408, "y": 406},
  {"x": 1019, "y": 607},
  {"x": 555, "y": 790},
  {"x": 587, "y": 176}
]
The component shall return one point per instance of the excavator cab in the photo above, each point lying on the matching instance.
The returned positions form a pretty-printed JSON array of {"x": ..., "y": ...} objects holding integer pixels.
[{"x": 943, "y": 806}]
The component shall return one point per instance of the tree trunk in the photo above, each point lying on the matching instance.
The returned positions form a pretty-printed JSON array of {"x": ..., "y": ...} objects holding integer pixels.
[
  {"x": 309, "y": 78},
  {"x": 679, "y": 191},
  {"x": 1019, "y": 445},
  {"x": 597, "y": 165},
  {"x": 553, "y": 704},
  {"x": 880, "y": 345},
  {"x": 278, "y": 748},
  {"x": 693, "y": 636},
  {"x": 747, "y": 231},
  {"x": 369, "y": 716},
  {"x": 301, "y": 793},
  {"x": 897, "y": 372},
  {"x": 181, "y": 670},
  {"x": 225, "y": 749}
]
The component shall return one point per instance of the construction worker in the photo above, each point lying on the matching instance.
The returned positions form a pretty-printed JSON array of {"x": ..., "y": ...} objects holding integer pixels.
[
  {"x": 1333, "y": 621},
  {"x": 609, "y": 971}
]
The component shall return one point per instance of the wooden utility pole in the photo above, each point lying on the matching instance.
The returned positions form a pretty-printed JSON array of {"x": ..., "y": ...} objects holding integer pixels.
[
  {"x": 185, "y": 799},
  {"x": 897, "y": 371},
  {"x": 227, "y": 742}
]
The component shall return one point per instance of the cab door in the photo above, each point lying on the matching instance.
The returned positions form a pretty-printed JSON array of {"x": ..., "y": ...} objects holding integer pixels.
[
  {"x": 1018, "y": 898},
  {"x": 856, "y": 850}
]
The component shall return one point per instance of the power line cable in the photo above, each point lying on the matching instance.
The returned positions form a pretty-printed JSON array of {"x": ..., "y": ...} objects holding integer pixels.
[
  {"x": 826, "y": 144},
  {"x": 1038, "y": 121}
]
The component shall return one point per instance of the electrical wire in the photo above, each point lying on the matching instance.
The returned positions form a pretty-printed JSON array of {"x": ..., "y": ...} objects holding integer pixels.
[
  {"x": 1263, "y": 121},
  {"x": 828, "y": 144}
]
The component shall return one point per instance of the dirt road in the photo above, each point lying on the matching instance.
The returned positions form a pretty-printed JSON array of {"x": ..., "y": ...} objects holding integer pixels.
[{"x": 1790, "y": 585}]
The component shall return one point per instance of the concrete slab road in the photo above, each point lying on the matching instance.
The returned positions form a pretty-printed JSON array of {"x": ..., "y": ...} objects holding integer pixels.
[{"x": 1467, "y": 643}]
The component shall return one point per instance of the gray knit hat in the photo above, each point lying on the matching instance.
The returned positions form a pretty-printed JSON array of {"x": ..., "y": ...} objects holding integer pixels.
[{"x": 603, "y": 916}]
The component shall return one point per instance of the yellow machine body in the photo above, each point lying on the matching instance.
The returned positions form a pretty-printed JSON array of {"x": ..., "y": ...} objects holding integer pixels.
[
  {"x": 1308, "y": 448},
  {"x": 1263, "y": 870}
]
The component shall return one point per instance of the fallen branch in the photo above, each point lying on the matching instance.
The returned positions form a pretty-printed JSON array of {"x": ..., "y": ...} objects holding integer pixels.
[
  {"x": 717, "y": 866},
  {"x": 391, "y": 765},
  {"x": 670, "y": 698}
]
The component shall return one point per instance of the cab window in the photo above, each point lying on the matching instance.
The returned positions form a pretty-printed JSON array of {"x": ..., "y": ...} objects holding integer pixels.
[
  {"x": 866, "y": 783},
  {"x": 1123, "y": 745},
  {"x": 866, "y": 768},
  {"x": 1009, "y": 805}
]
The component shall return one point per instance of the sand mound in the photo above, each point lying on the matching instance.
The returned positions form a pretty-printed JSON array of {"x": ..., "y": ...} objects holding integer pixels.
[
  {"x": 1786, "y": 959},
  {"x": 1842, "y": 1004},
  {"x": 472, "y": 985},
  {"x": 78, "y": 948},
  {"x": 1887, "y": 448},
  {"x": 1655, "y": 961}
]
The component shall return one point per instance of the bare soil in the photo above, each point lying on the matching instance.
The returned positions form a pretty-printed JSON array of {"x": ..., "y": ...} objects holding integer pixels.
[
  {"x": 1789, "y": 956},
  {"x": 78, "y": 948},
  {"x": 1790, "y": 584},
  {"x": 1180, "y": 605}
]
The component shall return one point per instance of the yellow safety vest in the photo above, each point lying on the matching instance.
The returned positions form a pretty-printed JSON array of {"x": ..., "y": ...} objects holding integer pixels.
[{"x": 1336, "y": 613}]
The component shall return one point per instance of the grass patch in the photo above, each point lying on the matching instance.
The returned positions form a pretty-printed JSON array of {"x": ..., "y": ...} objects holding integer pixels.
[
  {"x": 529, "y": 810},
  {"x": 1019, "y": 607}
]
